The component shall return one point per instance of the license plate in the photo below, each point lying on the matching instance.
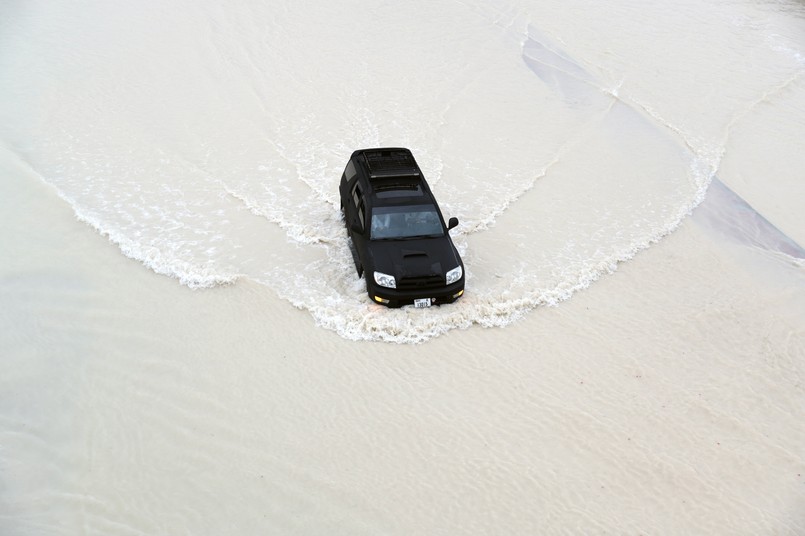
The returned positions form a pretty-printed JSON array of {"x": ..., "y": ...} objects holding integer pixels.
[{"x": 422, "y": 302}]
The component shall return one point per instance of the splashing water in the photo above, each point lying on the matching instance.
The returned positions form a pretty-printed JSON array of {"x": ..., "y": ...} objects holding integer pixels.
[{"x": 208, "y": 141}]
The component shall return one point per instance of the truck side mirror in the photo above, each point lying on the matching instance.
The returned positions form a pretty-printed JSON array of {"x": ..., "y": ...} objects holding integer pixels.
[{"x": 453, "y": 222}]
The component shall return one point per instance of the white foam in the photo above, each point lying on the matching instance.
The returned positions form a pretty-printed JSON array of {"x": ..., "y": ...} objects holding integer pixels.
[{"x": 560, "y": 160}]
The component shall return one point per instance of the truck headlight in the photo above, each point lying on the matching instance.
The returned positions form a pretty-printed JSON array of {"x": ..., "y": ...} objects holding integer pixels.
[
  {"x": 385, "y": 280},
  {"x": 453, "y": 275}
]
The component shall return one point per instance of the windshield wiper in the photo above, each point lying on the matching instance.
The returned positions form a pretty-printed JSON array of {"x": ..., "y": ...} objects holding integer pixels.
[
  {"x": 422, "y": 236},
  {"x": 414, "y": 237}
]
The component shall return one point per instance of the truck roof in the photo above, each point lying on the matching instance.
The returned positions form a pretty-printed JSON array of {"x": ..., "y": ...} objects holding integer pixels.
[{"x": 392, "y": 162}]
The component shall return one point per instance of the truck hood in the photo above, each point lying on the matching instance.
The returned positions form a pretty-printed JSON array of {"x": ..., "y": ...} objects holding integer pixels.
[{"x": 420, "y": 257}]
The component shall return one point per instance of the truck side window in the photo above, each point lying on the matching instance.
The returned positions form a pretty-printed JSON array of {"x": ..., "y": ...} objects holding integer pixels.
[
  {"x": 357, "y": 199},
  {"x": 360, "y": 215},
  {"x": 350, "y": 172},
  {"x": 357, "y": 195}
]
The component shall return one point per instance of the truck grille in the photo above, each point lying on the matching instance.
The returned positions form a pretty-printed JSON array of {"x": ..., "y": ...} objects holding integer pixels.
[{"x": 420, "y": 283}]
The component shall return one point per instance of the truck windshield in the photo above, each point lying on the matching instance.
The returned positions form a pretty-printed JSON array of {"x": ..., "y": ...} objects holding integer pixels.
[{"x": 405, "y": 222}]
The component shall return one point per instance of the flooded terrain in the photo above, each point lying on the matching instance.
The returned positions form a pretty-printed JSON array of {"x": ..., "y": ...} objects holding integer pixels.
[{"x": 188, "y": 350}]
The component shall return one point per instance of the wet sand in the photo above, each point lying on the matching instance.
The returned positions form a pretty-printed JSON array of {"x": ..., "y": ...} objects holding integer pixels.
[{"x": 665, "y": 399}]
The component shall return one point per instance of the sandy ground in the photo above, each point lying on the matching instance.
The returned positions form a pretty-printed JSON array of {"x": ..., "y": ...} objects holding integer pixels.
[{"x": 665, "y": 399}]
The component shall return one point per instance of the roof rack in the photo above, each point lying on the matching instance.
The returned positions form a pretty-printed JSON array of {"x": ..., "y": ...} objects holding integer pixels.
[{"x": 391, "y": 163}]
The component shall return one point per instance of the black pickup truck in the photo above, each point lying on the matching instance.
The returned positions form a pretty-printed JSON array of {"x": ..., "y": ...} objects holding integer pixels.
[{"x": 400, "y": 239}]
